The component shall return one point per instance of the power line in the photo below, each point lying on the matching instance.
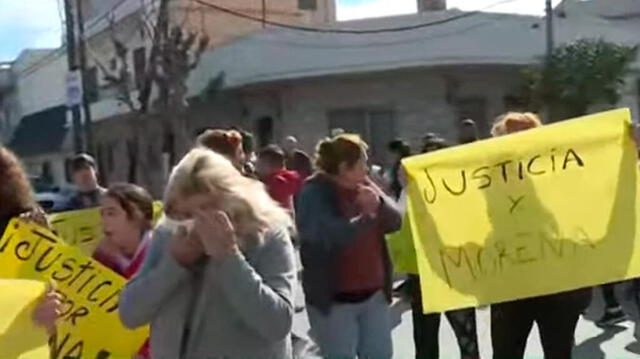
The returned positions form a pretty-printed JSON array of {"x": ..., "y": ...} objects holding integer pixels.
[
  {"x": 50, "y": 57},
  {"x": 348, "y": 31}
]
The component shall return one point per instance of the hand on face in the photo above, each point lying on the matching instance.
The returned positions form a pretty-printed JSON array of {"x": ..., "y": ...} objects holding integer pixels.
[
  {"x": 186, "y": 248},
  {"x": 369, "y": 200},
  {"x": 48, "y": 311},
  {"x": 216, "y": 233}
]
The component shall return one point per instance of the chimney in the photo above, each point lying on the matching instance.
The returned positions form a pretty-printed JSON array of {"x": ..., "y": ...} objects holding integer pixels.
[{"x": 431, "y": 5}]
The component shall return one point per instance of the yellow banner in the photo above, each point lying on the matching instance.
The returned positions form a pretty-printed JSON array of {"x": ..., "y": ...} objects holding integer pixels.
[
  {"x": 538, "y": 212},
  {"x": 401, "y": 249},
  {"x": 89, "y": 326},
  {"x": 400, "y": 244},
  {"x": 83, "y": 228},
  {"x": 20, "y": 337}
]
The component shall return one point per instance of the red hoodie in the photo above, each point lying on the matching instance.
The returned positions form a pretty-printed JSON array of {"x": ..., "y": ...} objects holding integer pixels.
[
  {"x": 282, "y": 185},
  {"x": 128, "y": 271},
  {"x": 132, "y": 270}
]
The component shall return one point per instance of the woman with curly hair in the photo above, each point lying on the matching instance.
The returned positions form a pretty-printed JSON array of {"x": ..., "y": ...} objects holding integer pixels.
[
  {"x": 342, "y": 218},
  {"x": 16, "y": 200}
]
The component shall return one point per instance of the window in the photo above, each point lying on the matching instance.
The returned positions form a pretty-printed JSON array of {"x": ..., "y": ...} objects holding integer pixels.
[
  {"x": 264, "y": 129},
  {"x": 111, "y": 163},
  {"x": 67, "y": 171},
  {"x": 46, "y": 175},
  {"x": 307, "y": 4},
  {"x": 168, "y": 146},
  {"x": 638, "y": 94},
  {"x": 139, "y": 66},
  {"x": 474, "y": 108},
  {"x": 102, "y": 168},
  {"x": 376, "y": 126},
  {"x": 132, "y": 155},
  {"x": 91, "y": 84},
  {"x": 168, "y": 153}
]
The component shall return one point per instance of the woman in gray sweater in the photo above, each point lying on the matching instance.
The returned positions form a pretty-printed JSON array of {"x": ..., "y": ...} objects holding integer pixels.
[{"x": 218, "y": 283}]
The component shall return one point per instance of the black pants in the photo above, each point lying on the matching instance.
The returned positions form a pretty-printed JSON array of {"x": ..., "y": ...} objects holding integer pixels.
[
  {"x": 427, "y": 326},
  {"x": 556, "y": 315},
  {"x": 610, "y": 301}
]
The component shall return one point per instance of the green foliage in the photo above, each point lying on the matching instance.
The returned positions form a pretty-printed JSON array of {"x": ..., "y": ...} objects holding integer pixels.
[{"x": 580, "y": 74}]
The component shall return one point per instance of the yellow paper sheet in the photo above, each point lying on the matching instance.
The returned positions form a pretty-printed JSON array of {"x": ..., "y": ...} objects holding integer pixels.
[
  {"x": 89, "y": 326},
  {"x": 538, "y": 212},
  {"x": 20, "y": 337}
]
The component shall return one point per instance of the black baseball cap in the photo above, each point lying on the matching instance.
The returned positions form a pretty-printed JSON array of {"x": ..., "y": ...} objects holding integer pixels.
[{"x": 82, "y": 161}]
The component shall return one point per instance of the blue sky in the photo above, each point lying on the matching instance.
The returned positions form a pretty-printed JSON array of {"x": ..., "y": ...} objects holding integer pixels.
[
  {"x": 353, "y": 9},
  {"x": 37, "y": 23},
  {"x": 28, "y": 23}
]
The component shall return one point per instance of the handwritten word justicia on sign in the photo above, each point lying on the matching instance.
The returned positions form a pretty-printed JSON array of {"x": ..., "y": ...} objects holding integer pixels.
[
  {"x": 89, "y": 325},
  {"x": 507, "y": 172}
]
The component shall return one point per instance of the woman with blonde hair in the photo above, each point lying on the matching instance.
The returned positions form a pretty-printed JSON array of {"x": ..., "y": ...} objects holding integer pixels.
[
  {"x": 218, "y": 279},
  {"x": 342, "y": 218},
  {"x": 556, "y": 315}
]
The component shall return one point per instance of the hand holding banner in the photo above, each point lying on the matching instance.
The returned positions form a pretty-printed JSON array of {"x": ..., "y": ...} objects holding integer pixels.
[{"x": 89, "y": 326}]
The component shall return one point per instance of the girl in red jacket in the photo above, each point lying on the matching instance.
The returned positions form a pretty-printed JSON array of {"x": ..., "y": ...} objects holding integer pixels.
[{"x": 127, "y": 222}]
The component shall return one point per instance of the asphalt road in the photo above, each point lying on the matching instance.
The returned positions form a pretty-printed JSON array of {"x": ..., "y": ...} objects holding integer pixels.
[{"x": 591, "y": 342}]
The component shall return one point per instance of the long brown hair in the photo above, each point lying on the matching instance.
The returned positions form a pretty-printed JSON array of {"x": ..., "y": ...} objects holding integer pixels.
[
  {"x": 16, "y": 195},
  {"x": 133, "y": 199}
]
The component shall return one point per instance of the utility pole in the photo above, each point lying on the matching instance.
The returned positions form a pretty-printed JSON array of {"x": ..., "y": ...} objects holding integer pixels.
[
  {"x": 78, "y": 145},
  {"x": 264, "y": 13},
  {"x": 86, "y": 105},
  {"x": 549, "y": 18}
]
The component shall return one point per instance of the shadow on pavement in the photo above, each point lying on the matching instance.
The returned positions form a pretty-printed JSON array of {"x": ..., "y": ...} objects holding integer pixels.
[
  {"x": 590, "y": 348},
  {"x": 396, "y": 310},
  {"x": 633, "y": 347}
]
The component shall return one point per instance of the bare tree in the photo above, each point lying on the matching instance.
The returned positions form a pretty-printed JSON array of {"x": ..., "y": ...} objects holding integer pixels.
[
  {"x": 173, "y": 55},
  {"x": 162, "y": 91}
]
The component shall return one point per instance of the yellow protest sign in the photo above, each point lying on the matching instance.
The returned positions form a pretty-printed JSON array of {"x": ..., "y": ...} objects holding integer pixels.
[
  {"x": 401, "y": 249},
  {"x": 81, "y": 229},
  {"x": 19, "y": 335},
  {"x": 90, "y": 326},
  {"x": 400, "y": 244},
  {"x": 537, "y": 212}
]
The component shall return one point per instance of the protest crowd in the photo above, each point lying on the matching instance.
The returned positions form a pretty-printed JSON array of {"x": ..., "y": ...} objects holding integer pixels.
[{"x": 216, "y": 275}]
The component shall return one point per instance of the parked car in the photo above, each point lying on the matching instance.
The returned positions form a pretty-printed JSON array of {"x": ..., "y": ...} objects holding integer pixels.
[
  {"x": 53, "y": 202},
  {"x": 50, "y": 197},
  {"x": 39, "y": 185}
]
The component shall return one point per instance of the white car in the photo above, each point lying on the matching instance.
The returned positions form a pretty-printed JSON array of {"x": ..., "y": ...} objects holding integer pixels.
[{"x": 53, "y": 202}]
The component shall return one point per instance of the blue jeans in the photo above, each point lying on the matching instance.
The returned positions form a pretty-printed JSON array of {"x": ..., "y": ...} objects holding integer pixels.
[{"x": 360, "y": 330}]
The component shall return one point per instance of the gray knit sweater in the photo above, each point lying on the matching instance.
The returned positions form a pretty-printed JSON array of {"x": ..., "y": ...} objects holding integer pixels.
[{"x": 238, "y": 308}]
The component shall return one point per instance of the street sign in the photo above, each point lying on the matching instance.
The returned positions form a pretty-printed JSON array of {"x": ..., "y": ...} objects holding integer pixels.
[{"x": 74, "y": 89}]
